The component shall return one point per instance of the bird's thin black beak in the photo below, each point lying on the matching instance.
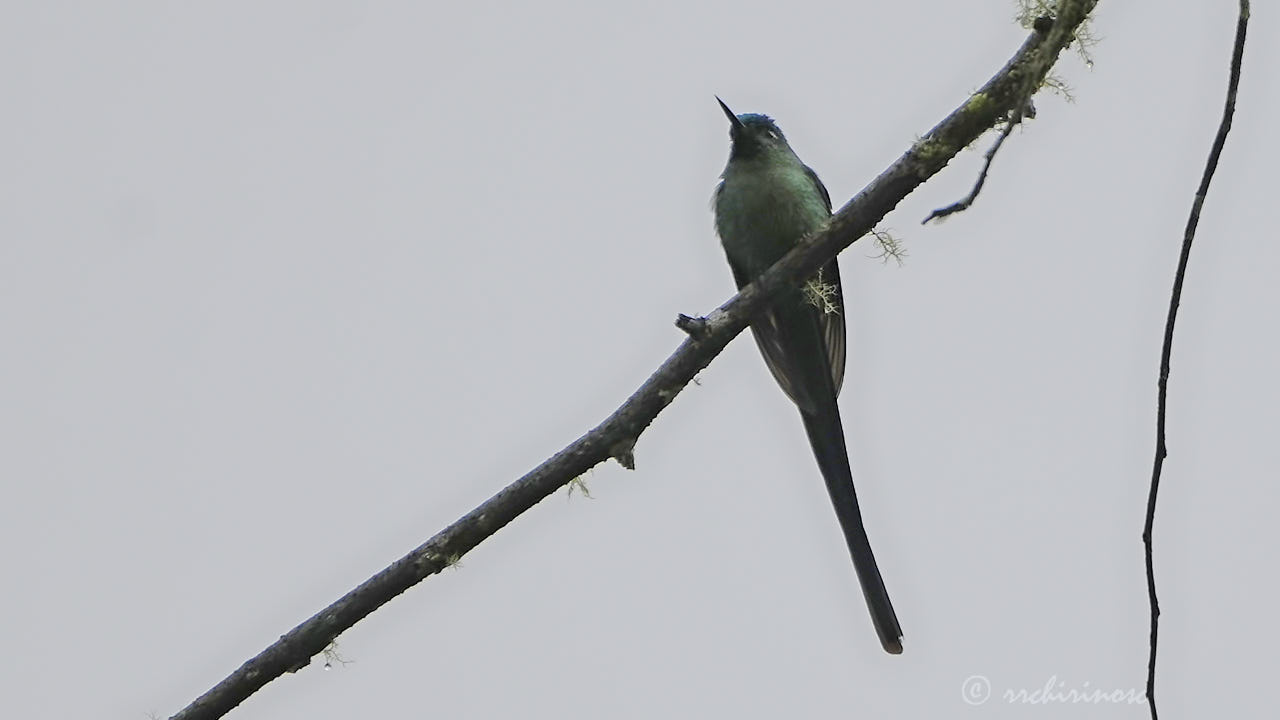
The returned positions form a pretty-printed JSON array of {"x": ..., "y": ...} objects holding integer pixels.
[{"x": 734, "y": 123}]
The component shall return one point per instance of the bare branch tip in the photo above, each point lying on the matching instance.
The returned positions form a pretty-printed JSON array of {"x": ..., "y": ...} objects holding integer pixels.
[
  {"x": 696, "y": 328},
  {"x": 624, "y": 453}
]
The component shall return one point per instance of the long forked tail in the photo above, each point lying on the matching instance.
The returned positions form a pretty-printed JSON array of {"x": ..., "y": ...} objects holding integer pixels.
[{"x": 826, "y": 435}]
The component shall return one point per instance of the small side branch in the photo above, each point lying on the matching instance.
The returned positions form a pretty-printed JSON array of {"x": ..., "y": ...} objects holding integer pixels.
[
  {"x": 1166, "y": 349},
  {"x": 964, "y": 204}
]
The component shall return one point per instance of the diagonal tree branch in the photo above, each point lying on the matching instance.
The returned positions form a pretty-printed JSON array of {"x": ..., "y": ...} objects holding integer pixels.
[
  {"x": 1166, "y": 349},
  {"x": 616, "y": 436}
]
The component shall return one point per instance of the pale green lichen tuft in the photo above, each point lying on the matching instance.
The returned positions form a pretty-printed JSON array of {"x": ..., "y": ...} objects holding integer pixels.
[
  {"x": 331, "y": 656},
  {"x": 581, "y": 486},
  {"x": 930, "y": 151},
  {"x": 979, "y": 103},
  {"x": 821, "y": 294},
  {"x": 890, "y": 247},
  {"x": 1085, "y": 39},
  {"x": 1056, "y": 85}
]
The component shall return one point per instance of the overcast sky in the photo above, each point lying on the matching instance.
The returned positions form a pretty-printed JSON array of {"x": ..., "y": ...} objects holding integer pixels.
[{"x": 286, "y": 287}]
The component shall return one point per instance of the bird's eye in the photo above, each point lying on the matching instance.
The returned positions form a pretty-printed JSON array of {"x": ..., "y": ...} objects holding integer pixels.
[{"x": 775, "y": 134}]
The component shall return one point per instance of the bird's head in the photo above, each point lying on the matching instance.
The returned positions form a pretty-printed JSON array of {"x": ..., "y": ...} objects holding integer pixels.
[{"x": 753, "y": 134}]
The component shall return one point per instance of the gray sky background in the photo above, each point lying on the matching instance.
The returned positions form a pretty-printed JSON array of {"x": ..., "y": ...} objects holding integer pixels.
[{"x": 286, "y": 287}]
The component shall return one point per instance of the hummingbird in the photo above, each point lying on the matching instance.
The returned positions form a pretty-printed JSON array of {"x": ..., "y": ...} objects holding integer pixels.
[{"x": 767, "y": 202}]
